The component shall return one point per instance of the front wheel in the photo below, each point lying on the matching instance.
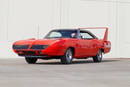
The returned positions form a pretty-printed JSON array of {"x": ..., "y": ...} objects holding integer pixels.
[
  {"x": 68, "y": 57},
  {"x": 98, "y": 57},
  {"x": 30, "y": 60}
]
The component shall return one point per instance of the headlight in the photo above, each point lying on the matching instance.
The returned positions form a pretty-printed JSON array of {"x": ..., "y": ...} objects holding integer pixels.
[
  {"x": 20, "y": 46},
  {"x": 39, "y": 46}
]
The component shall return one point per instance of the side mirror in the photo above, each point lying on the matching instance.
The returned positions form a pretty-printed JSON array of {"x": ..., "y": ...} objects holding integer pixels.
[{"x": 80, "y": 37}]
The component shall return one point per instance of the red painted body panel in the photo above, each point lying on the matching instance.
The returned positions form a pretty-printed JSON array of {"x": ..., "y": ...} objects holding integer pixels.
[{"x": 57, "y": 47}]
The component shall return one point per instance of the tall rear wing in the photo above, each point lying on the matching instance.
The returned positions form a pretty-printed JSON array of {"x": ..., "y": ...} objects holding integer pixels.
[{"x": 105, "y": 38}]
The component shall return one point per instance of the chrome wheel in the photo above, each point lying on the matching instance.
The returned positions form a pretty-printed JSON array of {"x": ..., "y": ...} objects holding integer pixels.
[
  {"x": 68, "y": 57},
  {"x": 98, "y": 57}
]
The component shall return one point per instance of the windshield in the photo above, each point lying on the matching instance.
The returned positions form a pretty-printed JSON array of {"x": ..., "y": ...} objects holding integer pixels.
[{"x": 62, "y": 34}]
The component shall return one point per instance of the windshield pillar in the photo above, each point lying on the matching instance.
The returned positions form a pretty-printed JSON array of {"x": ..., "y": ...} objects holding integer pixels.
[{"x": 78, "y": 31}]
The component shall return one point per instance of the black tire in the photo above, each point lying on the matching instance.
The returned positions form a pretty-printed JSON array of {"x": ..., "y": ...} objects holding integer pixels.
[
  {"x": 98, "y": 57},
  {"x": 67, "y": 57},
  {"x": 30, "y": 60}
]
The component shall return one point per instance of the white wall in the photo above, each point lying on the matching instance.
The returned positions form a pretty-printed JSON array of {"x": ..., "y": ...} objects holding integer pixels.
[{"x": 22, "y": 19}]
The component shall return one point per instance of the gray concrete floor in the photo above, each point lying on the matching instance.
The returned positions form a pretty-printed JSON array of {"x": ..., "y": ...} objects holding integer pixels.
[{"x": 50, "y": 73}]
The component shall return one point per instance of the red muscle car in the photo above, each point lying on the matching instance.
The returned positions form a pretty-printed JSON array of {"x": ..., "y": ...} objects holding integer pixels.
[{"x": 64, "y": 44}]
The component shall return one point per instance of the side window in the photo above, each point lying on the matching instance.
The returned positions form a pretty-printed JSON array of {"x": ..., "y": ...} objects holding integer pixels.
[{"x": 85, "y": 35}]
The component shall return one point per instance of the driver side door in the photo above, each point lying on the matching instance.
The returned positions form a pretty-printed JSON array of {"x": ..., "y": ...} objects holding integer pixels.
[{"x": 87, "y": 44}]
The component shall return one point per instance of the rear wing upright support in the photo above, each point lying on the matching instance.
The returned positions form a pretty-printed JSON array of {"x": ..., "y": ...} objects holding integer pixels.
[{"x": 105, "y": 38}]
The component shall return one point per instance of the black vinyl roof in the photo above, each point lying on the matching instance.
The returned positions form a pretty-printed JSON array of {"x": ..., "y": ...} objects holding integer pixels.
[{"x": 65, "y": 29}]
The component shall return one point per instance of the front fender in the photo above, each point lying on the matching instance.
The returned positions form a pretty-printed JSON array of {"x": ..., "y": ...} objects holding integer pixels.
[{"x": 56, "y": 49}]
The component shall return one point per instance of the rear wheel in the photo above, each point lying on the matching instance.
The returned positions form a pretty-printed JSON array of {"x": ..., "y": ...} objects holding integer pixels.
[
  {"x": 68, "y": 57},
  {"x": 30, "y": 60},
  {"x": 98, "y": 57}
]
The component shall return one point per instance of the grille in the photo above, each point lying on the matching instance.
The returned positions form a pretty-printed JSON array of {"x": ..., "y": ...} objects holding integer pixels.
[
  {"x": 39, "y": 46},
  {"x": 29, "y": 52},
  {"x": 20, "y": 46}
]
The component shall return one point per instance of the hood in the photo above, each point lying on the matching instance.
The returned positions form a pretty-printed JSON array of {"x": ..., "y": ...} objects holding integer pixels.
[{"x": 37, "y": 42}]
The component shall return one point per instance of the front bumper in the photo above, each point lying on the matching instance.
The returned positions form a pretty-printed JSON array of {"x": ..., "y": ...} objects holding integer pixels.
[
  {"x": 39, "y": 53},
  {"x": 50, "y": 51},
  {"x": 34, "y": 56}
]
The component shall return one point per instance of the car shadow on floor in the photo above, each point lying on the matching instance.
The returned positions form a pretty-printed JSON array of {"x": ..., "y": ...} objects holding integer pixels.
[{"x": 75, "y": 62}]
